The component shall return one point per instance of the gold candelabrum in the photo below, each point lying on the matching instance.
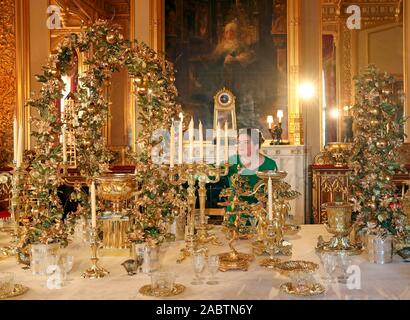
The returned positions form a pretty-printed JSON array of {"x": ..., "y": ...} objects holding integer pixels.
[
  {"x": 339, "y": 223},
  {"x": 207, "y": 174},
  {"x": 190, "y": 173},
  {"x": 235, "y": 260},
  {"x": 274, "y": 242},
  {"x": 18, "y": 179},
  {"x": 95, "y": 271}
]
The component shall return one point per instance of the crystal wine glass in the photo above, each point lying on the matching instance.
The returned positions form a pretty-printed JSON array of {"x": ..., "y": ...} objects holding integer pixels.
[
  {"x": 329, "y": 265},
  {"x": 66, "y": 265},
  {"x": 345, "y": 260},
  {"x": 213, "y": 266},
  {"x": 198, "y": 262}
]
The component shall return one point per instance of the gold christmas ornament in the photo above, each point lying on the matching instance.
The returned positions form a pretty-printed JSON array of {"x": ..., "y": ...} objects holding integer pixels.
[
  {"x": 87, "y": 143},
  {"x": 142, "y": 91},
  {"x": 138, "y": 80},
  {"x": 91, "y": 108},
  {"x": 381, "y": 143},
  {"x": 111, "y": 37}
]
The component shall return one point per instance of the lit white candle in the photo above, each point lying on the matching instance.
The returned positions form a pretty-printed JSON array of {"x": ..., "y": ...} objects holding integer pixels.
[
  {"x": 226, "y": 153},
  {"x": 15, "y": 139},
  {"x": 270, "y": 121},
  {"x": 20, "y": 147},
  {"x": 93, "y": 206},
  {"x": 172, "y": 146},
  {"x": 201, "y": 143},
  {"x": 191, "y": 141},
  {"x": 218, "y": 144},
  {"x": 64, "y": 138},
  {"x": 280, "y": 115},
  {"x": 180, "y": 138},
  {"x": 270, "y": 202}
]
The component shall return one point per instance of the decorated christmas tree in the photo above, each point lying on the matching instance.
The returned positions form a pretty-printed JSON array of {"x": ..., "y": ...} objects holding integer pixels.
[{"x": 374, "y": 160}]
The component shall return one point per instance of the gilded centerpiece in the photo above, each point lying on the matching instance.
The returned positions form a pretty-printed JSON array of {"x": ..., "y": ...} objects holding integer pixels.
[
  {"x": 116, "y": 188},
  {"x": 339, "y": 223}
]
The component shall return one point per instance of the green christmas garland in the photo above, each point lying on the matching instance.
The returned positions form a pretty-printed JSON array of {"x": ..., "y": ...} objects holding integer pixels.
[{"x": 154, "y": 78}]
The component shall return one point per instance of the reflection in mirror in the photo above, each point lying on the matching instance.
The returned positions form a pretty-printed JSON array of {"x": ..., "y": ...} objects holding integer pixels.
[
  {"x": 378, "y": 41},
  {"x": 119, "y": 132},
  {"x": 330, "y": 109}
]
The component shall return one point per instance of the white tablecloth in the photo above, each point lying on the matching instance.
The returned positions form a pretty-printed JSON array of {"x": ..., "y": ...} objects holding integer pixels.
[{"x": 390, "y": 281}]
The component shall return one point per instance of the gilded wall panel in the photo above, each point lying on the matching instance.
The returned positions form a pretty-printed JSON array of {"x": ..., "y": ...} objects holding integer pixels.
[{"x": 7, "y": 78}]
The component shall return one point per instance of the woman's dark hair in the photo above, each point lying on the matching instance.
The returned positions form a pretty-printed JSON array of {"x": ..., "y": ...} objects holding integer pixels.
[{"x": 255, "y": 135}]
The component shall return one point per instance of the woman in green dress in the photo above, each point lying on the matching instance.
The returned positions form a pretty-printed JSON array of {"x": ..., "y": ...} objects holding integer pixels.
[
  {"x": 249, "y": 161},
  {"x": 249, "y": 158}
]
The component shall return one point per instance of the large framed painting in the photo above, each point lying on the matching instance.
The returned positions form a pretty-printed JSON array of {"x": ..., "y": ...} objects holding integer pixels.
[{"x": 237, "y": 45}]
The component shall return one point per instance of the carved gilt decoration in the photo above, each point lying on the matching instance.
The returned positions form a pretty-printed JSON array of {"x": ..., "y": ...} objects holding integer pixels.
[{"x": 8, "y": 84}]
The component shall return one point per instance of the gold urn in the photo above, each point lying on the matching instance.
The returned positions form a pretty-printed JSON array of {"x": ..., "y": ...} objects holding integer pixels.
[
  {"x": 339, "y": 151},
  {"x": 339, "y": 223},
  {"x": 116, "y": 188}
]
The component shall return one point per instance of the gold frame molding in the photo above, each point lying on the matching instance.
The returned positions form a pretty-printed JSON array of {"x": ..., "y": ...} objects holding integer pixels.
[
  {"x": 23, "y": 67},
  {"x": 406, "y": 65}
]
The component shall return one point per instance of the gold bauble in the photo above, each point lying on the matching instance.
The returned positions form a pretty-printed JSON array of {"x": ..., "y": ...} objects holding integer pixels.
[
  {"x": 138, "y": 81},
  {"x": 91, "y": 108},
  {"x": 87, "y": 143},
  {"x": 381, "y": 143},
  {"x": 374, "y": 112},
  {"x": 142, "y": 91},
  {"x": 372, "y": 206},
  {"x": 374, "y": 122},
  {"x": 175, "y": 211},
  {"x": 54, "y": 72},
  {"x": 110, "y": 37}
]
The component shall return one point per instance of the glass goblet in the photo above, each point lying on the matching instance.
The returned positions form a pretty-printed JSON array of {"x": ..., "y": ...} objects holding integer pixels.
[
  {"x": 213, "y": 266},
  {"x": 329, "y": 265},
  {"x": 198, "y": 262},
  {"x": 67, "y": 263},
  {"x": 345, "y": 261}
]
